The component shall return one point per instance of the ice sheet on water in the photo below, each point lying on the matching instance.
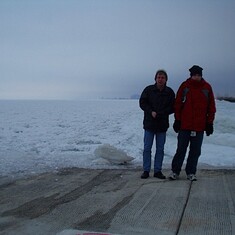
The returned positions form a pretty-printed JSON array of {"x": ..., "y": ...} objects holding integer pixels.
[{"x": 37, "y": 136}]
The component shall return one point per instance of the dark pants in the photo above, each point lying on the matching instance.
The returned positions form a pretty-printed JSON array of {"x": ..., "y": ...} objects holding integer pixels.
[{"x": 184, "y": 139}]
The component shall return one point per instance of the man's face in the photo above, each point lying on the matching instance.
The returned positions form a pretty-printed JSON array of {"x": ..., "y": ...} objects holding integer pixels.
[
  {"x": 197, "y": 77},
  {"x": 161, "y": 79}
]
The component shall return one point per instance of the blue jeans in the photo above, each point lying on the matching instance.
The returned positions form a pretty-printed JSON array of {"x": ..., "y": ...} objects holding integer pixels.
[
  {"x": 184, "y": 138},
  {"x": 147, "y": 153}
]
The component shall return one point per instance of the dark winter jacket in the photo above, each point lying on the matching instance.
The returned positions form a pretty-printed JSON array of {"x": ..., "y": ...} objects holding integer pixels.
[
  {"x": 161, "y": 102},
  {"x": 195, "y": 105}
]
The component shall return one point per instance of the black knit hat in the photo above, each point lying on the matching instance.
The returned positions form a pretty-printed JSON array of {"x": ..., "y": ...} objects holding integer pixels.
[{"x": 195, "y": 70}]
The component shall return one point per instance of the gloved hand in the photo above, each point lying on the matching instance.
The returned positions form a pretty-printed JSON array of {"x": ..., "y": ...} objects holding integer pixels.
[
  {"x": 176, "y": 126},
  {"x": 209, "y": 129}
]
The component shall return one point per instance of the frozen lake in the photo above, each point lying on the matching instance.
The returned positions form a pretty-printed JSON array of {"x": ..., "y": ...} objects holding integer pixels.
[{"x": 39, "y": 136}]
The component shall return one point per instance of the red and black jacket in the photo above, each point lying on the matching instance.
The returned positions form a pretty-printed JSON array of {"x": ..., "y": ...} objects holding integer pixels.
[{"x": 195, "y": 105}]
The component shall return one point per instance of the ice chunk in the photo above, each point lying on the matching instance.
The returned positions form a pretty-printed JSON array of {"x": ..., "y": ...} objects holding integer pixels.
[{"x": 112, "y": 154}]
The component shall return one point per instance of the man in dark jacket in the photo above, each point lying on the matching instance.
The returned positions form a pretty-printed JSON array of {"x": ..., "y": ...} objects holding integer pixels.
[
  {"x": 157, "y": 102},
  {"x": 194, "y": 113}
]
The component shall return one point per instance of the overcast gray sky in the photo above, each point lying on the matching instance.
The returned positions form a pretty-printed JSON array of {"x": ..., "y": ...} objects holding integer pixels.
[{"x": 72, "y": 49}]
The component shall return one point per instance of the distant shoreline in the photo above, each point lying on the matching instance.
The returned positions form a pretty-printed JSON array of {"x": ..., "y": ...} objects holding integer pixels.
[{"x": 226, "y": 98}]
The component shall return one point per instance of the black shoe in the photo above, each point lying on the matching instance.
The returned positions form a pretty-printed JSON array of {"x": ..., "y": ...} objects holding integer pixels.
[
  {"x": 145, "y": 175},
  {"x": 159, "y": 175}
]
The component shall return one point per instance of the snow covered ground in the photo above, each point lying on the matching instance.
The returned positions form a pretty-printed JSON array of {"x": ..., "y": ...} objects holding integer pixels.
[{"x": 39, "y": 136}]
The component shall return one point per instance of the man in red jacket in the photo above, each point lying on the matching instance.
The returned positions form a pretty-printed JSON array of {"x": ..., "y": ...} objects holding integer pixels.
[{"x": 194, "y": 113}]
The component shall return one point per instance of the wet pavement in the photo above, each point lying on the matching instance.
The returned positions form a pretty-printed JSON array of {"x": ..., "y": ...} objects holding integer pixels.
[{"x": 75, "y": 201}]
